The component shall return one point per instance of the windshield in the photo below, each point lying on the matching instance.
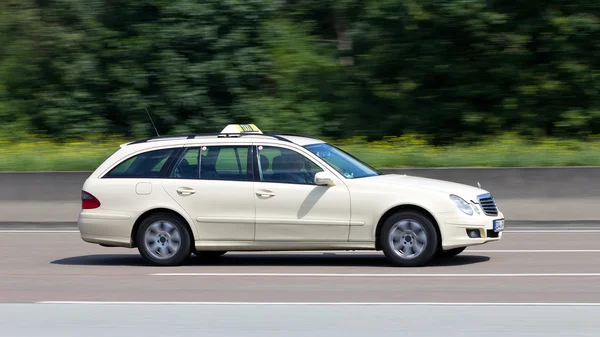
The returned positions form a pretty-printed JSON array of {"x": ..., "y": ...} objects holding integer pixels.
[{"x": 343, "y": 162}]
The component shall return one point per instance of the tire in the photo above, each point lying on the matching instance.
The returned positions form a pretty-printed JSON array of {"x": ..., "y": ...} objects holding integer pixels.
[
  {"x": 177, "y": 244},
  {"x": 398, "y": 228},
  {"x": 452, "y": 252},
  {"x": 209, "y": 254}
]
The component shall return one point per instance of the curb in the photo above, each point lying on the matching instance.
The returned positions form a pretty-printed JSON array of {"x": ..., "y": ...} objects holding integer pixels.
[{"x": 37, "y": 225}]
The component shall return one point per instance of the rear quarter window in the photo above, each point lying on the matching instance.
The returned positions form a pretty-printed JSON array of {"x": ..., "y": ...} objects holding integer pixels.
[{"x": 151, "y": 164}]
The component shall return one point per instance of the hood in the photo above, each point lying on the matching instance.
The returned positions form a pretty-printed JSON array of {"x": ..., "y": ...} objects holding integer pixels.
[{"x": 466, "y": 192}]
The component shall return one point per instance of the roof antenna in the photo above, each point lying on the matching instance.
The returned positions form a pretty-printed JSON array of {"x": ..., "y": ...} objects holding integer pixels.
[{"x": 152, "y": 122}]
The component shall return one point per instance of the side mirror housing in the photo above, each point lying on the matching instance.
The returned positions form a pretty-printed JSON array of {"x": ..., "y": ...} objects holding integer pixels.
[{"x": 324, "y": 179}]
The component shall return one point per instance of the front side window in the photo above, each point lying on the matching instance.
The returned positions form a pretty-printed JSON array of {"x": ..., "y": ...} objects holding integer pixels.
[
  {"x": 151, "y": 164},
  {"x": 343, "y": 162},
  {"x": 281, "y": 165}
]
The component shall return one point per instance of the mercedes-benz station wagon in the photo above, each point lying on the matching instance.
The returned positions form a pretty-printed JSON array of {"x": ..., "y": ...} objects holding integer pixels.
[{"x": 244, "y": 190}]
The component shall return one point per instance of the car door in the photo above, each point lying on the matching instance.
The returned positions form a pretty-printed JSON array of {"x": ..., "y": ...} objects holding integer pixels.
[
  {"x": 214, "y": 184},
  {"x": 290, "y": 206}
]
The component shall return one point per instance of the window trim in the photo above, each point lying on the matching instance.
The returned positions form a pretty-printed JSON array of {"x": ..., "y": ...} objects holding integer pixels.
[{"x": 256, "y": 159}]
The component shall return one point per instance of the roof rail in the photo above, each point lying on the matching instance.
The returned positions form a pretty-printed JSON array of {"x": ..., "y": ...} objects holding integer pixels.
[
  {"x": 277, "y": 137},
  {"x": 294, "y": 134},
  {"x": 192, "y": 136},
  {"x": 188, "y": 136}
]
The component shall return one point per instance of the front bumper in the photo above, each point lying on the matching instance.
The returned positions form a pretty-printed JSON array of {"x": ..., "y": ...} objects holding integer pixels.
[{"x": 454, "y": 230}]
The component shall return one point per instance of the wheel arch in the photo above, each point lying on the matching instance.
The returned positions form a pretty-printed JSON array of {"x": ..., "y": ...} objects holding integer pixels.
[
  {"x": 406, "y": 207},
  {"x": 153, "y": 211}
]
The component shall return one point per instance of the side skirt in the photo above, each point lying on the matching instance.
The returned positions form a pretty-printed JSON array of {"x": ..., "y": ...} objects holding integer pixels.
[{"x": 281, "y": 245}]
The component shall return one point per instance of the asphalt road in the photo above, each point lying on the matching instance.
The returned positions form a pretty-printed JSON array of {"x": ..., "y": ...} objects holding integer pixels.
[
  {"x": 61, "y": 267},
  {"x": 45, "y": 277}
]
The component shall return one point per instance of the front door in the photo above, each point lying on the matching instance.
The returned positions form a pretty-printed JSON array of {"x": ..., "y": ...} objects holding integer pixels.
[
  {"x": 291, "y": 207},
  {"x": 215, "y": 186}
]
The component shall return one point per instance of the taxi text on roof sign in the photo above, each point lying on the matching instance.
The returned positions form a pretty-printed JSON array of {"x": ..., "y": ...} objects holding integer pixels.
[{"x": 241, "y": 128}]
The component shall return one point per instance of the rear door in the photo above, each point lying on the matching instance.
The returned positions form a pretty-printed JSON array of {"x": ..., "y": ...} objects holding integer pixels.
[{"x": 214, "y": 184}]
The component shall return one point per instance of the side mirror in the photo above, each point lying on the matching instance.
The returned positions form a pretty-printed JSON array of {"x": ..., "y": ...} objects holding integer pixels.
[{"x": 324, "y": 179}]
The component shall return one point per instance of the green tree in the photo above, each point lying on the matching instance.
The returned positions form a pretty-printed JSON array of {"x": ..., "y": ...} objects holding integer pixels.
[{"x": 452, "y": 68}]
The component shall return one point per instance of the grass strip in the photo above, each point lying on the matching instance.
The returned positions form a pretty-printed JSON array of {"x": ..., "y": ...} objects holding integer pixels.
[{"x": 408, "y": 151}]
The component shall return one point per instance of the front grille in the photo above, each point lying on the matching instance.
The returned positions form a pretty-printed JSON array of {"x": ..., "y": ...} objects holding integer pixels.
[{"x": 488, "y": 204}]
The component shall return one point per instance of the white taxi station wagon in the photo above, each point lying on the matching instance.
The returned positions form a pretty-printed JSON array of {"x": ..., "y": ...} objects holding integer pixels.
[{"x": 245, "y": 190}]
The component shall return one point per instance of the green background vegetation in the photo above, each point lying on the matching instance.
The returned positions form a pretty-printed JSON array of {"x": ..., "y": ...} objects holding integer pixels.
[{"x": 482, "y": 82}]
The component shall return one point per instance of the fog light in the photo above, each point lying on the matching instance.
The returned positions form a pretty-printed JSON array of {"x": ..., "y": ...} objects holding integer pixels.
[{"x": 473, "y": 233}]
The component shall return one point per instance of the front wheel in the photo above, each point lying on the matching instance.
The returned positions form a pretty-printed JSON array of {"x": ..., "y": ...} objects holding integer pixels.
[
  {"x": 163, "y": 239},
  {"x": 409, "y": 239}
]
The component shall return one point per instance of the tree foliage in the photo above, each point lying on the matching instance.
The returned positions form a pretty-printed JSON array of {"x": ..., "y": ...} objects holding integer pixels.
[{"x": 448, "y": 69}]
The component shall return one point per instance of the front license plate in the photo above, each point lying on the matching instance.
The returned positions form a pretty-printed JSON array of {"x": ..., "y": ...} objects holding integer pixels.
[{"x": 498, "y": 225}]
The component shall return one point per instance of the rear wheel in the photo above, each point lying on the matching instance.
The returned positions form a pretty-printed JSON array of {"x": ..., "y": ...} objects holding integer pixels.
[
  {"x": 163, "y": 239},
  {"x": 409, "y": 239}
]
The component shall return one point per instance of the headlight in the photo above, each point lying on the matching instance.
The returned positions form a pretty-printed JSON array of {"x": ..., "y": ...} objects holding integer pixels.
[{"x": 462, "y": 205}]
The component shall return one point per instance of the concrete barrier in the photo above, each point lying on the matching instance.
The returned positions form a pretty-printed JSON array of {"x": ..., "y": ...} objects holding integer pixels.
[{"x": 523, "y": 194}]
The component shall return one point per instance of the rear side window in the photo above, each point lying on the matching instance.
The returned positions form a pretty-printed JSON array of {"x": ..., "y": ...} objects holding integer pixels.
[
  {"x": 151, "y": 164},
  {"x": 225, "y": 163},
  {"x": 214, "y": 163},
  {"x": 187, "y": 167}
]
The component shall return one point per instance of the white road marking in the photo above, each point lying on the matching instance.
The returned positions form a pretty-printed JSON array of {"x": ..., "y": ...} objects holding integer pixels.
[
  {"x": 533, "y": 250},
  {"x": 382, "y": 275},
  {"x": 553, "y": 231},
  {"x": 468, "y": 250},
  {"x": 42, "y": 231},
  {"x": 536, "y": 304}
]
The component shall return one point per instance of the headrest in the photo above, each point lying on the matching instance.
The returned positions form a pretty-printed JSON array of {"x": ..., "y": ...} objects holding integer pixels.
[
  {"x": 288, "y": 162},
  {"x": 264, "y": 162},
  {"x": 278, "y": 163}
]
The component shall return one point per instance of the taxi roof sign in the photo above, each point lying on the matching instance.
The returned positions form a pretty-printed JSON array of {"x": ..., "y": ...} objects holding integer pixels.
[{"x": 241, "y": 128}]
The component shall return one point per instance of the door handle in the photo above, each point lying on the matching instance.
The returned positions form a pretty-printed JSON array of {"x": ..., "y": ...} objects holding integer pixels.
[
  {"x": 265, "y": 193},
  {"x": 185, "y": 190}
]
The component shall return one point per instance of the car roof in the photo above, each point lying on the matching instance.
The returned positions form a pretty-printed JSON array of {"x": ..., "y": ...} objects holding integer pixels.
[
  {"x": 220, "y": 138},
  {"x": 232, "y": 134}
]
